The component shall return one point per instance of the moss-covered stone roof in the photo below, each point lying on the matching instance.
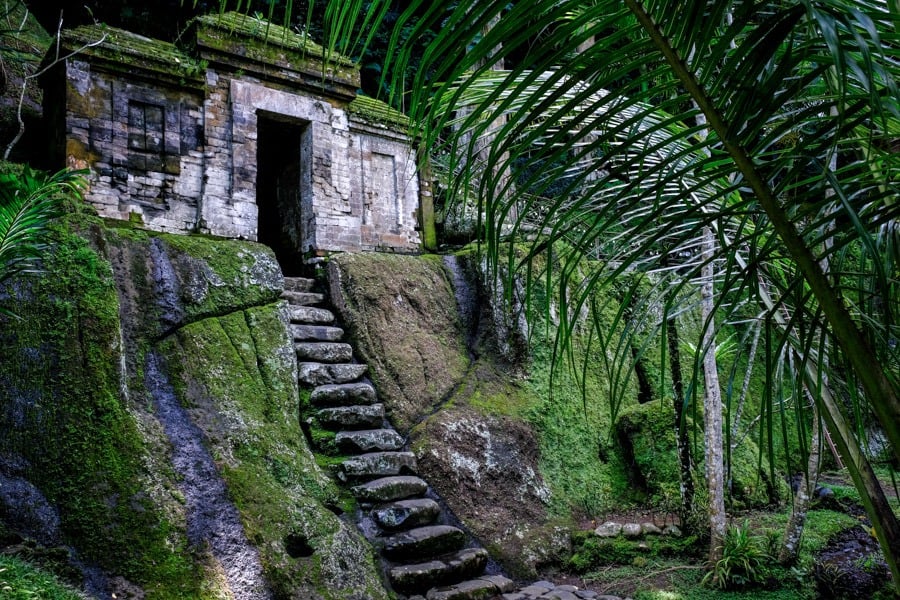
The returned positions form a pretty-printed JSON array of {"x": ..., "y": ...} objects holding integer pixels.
[
  {"x": 271, "y": 34},
  {"x": 131, "y": 50},
  {"x": 371, "y": 109}
]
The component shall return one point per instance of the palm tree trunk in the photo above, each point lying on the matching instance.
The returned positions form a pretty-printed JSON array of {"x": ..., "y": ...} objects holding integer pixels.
[{"x": 712, "y": 408}]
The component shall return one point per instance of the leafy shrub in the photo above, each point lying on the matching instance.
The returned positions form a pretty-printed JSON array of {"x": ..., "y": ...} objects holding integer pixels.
[{"x": 743, "y": 560}]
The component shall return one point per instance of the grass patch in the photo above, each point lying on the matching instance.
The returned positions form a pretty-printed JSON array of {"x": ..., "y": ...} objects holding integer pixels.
[{"x": 20, "y": 580}]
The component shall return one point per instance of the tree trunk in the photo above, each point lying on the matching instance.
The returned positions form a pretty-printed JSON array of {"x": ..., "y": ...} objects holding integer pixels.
[
  {"x": 685, "y": 464},
  {"x": 712, "y": 408},
  {"x": 790, "y": 546}
]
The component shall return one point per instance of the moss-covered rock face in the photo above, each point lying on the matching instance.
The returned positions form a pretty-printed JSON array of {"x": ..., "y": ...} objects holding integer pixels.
[
  {"x": 402, "y": 317},
  {"x": 237, "y": 377},
  {"x": 121, "y": 320}
]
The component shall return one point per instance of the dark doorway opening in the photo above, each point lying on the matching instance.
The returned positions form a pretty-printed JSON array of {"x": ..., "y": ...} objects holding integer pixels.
[{"x": 279, "y": 188}]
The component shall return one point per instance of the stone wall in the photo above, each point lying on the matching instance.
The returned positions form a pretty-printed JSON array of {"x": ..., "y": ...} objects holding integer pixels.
[
  {"x": 387, "y": 185},
  {"x": 141, "y": 142}
]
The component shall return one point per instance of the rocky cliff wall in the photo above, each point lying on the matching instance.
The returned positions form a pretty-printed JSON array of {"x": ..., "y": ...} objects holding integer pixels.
[{"x": 151, "y": 447}]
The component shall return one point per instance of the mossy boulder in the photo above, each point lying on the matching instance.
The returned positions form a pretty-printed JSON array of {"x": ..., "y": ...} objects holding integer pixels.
[
  {"x": 236, "y": 376},
  {"x": 401, "y": 314},
  {"x": 487, "y": 469}
]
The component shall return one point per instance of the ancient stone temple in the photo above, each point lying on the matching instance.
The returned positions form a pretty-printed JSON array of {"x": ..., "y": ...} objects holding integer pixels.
[{"x": 242, "y": 130}]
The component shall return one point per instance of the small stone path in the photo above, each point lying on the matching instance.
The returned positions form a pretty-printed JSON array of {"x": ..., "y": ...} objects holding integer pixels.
[{"x": 424, "y": 556}]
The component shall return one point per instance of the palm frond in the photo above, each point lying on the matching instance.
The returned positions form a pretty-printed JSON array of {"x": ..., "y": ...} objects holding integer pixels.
[{"x": 28, "y": 201}]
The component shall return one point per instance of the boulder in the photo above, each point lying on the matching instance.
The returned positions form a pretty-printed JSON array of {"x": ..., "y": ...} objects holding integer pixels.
[
  {"x": 650, "y": 529},
  {"x": 609, "y": 529}
]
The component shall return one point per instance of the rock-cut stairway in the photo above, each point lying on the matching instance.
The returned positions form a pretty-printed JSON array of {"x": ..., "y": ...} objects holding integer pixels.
[{"x": 421, "y": 553}]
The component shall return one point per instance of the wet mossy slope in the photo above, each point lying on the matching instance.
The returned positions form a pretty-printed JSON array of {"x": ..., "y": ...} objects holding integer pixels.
[{"x": 120, "y": 319}]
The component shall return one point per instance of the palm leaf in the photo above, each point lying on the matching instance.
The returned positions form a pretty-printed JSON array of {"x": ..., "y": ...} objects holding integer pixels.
[{"x": 27, "y": 203}]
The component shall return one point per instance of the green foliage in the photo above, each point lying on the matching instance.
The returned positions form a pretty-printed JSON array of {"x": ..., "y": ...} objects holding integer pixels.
[
  {"x": 20, "y": 580},
  {"x": 743, "y": 560},
  {"x": 592, "y": 552},
  {"x": 29, "y": 200}
]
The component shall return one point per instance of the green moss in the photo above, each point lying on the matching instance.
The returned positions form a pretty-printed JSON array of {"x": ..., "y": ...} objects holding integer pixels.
[
  {"x": 646, "y": 436},
  {"x": 268, "y": 44},
  {"x": 131, "y": 51},
  {"x": 62, "y": 383},
  {"x": 240, "y": 25},
  {"x": 379, "y": 112},
  {"x": 592, "y": 552},
  {"x": 218, "y": 275},
  {"x": 236, "y": 376}
]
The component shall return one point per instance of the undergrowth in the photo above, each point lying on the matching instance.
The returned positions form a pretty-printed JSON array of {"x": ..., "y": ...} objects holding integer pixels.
[{"x": 20, "y": 580}]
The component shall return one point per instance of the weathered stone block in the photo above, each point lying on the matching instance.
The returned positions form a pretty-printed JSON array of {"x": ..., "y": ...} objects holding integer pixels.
[
  {"x": 389, "y": 488},
  {"x": 369, "y": 440},
  {"x": 352, "y": 417},
  {"x": 320, "y": 333},
  {"x": 406, "y": 513},
  {"x": 311, "y": 315},
  {"x": 344, "y": 394},
  {"x": 379, "y": 464},
  {"x": 451, "y": 567},
  {"x": 326, "y": 352},
  {"x": 428, "y": 541},
  {"x": 314, "y": 373}
]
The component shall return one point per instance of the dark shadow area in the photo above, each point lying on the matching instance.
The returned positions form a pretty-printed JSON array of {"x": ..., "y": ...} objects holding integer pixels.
[{"x": 278, "y": 189}]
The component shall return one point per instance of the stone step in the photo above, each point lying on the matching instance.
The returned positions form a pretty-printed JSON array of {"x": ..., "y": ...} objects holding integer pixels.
[
  {"x": 474, "y": 589},
  {"x": 311, "y": 315},
  {"x": 363, "y": 416},
  {"x": 444, "y": 570},
  {"x": 388, "y": 489},
  {"x": 368, "y": 440},
  {"x": 343, "y": 394},
  {"x": 324, "y": 352},
  {"x": 414, "y": 512},
  {"x": 318, "y": 333},
  {"x": 316, "y": 373},
  {"x": 299, "y": 284},
  {"x": 379, "y": 464},
  {"x": 423, "y": 542},
  {"x": 302, "y": 298}
]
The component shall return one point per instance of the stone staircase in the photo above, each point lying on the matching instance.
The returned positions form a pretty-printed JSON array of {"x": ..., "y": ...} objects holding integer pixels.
[{"x": 422, "y": 554}]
